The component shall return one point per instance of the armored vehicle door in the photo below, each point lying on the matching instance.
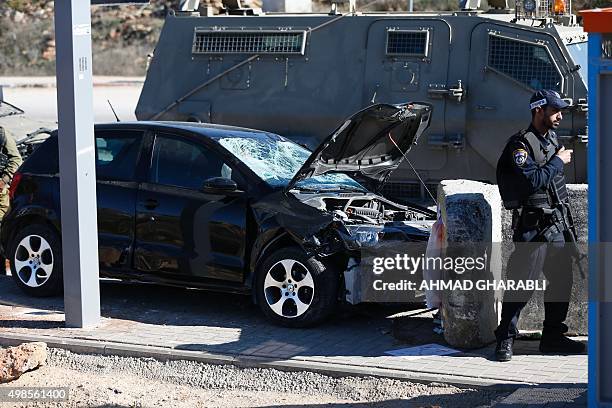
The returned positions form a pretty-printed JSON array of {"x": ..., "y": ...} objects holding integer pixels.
[
  {"x": 509, "y": 63},
  {"x": 408, "y": 60}
]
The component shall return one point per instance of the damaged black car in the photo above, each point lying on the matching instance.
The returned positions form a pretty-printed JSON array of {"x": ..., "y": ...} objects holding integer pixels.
[{"x": 227, "y": 209}]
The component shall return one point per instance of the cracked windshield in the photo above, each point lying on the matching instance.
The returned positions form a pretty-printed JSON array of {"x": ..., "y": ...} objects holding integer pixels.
[{"x": 277, "y": 160}]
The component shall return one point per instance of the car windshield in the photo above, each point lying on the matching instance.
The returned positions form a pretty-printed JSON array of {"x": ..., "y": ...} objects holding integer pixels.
[{"x": 276, "y": 160}]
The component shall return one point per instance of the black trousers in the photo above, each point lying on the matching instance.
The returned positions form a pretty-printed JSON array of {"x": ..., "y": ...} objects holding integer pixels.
[{"x": 534, "y": 255}]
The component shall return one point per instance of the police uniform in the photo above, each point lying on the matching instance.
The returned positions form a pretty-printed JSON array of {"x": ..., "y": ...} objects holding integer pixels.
[
  {"x": 532, "y": 183},
  {"x": 10, "y": 161}
]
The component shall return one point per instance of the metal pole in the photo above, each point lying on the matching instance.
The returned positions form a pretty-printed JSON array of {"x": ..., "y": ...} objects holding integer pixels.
[
  {"x": 411, "y": 5},
  {"x": 600, "y": 224},
  {"x": 594, "y": 250},
  {"x": 77, "y": 163}
]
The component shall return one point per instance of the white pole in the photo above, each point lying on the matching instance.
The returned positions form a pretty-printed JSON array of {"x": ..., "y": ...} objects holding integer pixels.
[{"x": 77, "y": 163}]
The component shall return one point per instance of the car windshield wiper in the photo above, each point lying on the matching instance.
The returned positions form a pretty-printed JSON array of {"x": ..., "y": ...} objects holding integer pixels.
[
  {"x": 338, "y": 187},
  {"x": 345, "y": 187},
  {"x": 306, "y": 188}
]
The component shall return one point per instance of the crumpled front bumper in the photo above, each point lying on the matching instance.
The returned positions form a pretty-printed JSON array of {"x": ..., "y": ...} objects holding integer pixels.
[{"x": 369, "y": 241}]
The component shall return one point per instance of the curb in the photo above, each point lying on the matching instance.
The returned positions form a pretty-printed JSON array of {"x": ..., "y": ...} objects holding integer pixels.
[{"x": 331, "y": 369}]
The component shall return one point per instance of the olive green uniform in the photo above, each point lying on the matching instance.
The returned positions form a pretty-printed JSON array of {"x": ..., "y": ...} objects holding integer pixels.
[{"x": 6, "y": 173}]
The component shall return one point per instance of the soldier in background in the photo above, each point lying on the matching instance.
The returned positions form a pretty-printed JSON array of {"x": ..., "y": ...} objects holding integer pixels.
[
  {"x": 10, "y": 160},
  {"x": 532, "y": 184}
]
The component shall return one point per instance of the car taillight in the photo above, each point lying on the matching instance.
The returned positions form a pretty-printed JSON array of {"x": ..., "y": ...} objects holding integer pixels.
[{"x": 14, "y": 184}]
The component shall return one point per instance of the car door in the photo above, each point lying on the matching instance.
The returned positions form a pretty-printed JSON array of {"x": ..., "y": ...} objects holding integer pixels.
[
  {"x": 117, "y": 155},
  {"x": 181, "y": 231}
]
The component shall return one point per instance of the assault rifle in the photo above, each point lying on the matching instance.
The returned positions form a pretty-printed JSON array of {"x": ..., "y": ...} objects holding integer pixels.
[{"x": 564, "y": 217}]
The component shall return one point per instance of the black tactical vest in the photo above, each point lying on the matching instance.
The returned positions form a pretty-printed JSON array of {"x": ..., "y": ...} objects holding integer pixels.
[
  {"x": 513, "y": 189},
  {"x": 546, "y": 197}
]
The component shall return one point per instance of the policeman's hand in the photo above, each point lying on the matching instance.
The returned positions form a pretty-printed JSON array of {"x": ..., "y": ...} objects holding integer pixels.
[
  {"x": 565, "y": 155},
  {"x": 2, "y": 184}
]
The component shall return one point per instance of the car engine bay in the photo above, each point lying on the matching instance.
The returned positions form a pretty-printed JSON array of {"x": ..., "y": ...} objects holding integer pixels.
[{"x": 359, "y": 208}]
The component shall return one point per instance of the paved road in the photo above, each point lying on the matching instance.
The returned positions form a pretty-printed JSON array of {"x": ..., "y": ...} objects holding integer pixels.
[
  {"x": 180, "y": 320},
  {"x": 41, "y": 102}
]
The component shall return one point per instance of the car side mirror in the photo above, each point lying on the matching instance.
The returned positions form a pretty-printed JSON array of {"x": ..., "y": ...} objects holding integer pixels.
[{"x": 220, "y": 185}]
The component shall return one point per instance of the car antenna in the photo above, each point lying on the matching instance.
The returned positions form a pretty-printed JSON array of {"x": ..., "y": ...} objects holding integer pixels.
[
  {"x": 413, "y": 169},
  {"x": 113, "y": 109}
]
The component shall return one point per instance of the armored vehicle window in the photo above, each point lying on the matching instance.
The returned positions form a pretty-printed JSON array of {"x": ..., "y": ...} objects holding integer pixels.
[
  {"x": 529, "y": 64},
  {"x": 249, "y": 42},
  {"x": 410, "y": 43},
  {"x": 578, "y": 51}
]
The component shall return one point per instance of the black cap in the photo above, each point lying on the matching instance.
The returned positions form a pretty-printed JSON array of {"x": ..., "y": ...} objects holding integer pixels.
[{"x": 546, "y": 97}]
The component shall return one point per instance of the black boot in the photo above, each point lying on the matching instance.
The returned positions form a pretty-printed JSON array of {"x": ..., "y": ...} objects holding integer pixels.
[
  {"x": 503, "y": 351},
  {"x": 559, "y": 343}
]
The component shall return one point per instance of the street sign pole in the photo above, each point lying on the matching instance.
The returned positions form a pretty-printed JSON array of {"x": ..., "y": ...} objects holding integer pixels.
[{"x": 77, "y": 163}]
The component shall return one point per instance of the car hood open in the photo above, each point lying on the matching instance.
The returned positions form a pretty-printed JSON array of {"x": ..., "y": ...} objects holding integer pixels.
[{"x": 371, "y": 143}]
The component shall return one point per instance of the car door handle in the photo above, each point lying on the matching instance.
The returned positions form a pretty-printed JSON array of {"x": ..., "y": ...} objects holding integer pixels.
[{"x": 151, "y": 204}]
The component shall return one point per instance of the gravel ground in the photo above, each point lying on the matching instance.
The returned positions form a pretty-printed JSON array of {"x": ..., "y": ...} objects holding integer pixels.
[{"x": 110, "y": 381}]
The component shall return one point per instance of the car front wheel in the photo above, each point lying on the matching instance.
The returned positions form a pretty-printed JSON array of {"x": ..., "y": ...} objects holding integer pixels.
[
  {"x": 36, "y": 260},
  {"x": 294, "y": 289}
]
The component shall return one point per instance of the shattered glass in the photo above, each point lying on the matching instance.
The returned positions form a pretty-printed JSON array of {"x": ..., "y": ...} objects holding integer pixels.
[{"x": 277, "y": 160}]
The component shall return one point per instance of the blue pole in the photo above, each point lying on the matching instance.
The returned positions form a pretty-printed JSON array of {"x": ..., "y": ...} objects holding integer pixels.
[{"x": 593, "y": 179}]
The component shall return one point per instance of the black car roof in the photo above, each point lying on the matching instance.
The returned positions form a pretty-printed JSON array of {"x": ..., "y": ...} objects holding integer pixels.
[{"x": 209, "y": 130}]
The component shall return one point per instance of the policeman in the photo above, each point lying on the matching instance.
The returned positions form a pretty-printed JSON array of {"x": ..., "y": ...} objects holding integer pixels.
[{"x": 531, "y": 182}]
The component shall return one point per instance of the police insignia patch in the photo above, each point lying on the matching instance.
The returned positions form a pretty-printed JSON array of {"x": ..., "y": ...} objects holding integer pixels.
[{"x": 520, "y": 157}]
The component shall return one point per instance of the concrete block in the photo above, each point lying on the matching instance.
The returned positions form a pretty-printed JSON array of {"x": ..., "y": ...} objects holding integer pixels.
[
  {"x": 471, "y": 212},
  {"x": 287, "y": 6},
  {"x": 533, "y": 314}
]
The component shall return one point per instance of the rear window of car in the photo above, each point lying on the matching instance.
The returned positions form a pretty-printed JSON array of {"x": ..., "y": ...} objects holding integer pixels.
[
  {"x": 44, "y": 159},
  {"x": 116, "y": 156}
]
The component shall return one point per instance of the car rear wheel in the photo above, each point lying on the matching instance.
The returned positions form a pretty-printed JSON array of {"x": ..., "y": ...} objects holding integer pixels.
[
  {"x": 294, "y": 289},
  {"x": 36, "y": 260}
]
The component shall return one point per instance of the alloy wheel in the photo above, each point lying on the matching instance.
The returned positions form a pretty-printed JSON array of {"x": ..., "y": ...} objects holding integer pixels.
[
  {"x": 33, "y": 260},
  {"x": 289, "y": 288}
]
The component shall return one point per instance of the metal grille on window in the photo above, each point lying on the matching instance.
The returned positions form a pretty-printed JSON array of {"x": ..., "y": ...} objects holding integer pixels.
[
  {"x": 249, "y": 42},
  {"x": 529, "y": 64},
  {"x": 413, "y": 43}
]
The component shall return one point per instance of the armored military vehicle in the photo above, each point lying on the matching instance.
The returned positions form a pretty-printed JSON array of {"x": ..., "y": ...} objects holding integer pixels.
[{"x": 299, "y": 75}]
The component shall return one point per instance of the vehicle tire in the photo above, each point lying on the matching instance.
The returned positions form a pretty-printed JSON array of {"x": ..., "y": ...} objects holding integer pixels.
[
  {"x": 35, "y": 254},
  {"x": 294, "y": 289}
]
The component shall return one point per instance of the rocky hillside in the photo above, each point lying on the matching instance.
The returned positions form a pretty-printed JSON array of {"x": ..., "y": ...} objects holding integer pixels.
[{"x": 123, "y": 36}]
